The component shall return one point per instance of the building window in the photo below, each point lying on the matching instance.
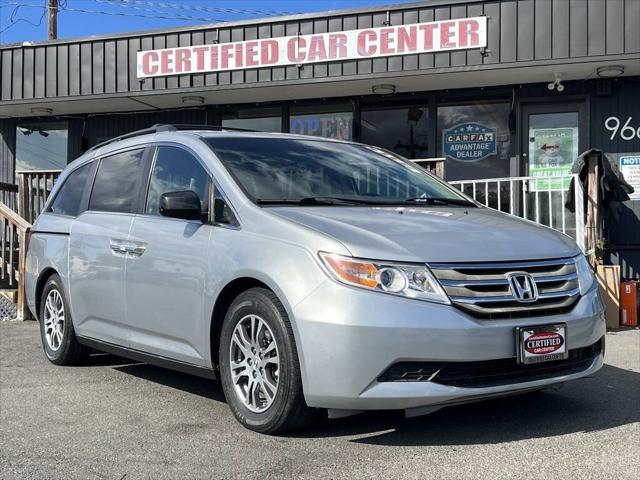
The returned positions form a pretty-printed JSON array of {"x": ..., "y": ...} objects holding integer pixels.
[
  {"x": 262, "y": 119},
  {"x": 41, "y": 146},
  {"x": 475, "y": 140},
  {"x": 331, "y": 121},
  {"x": 403, "y": 130}
]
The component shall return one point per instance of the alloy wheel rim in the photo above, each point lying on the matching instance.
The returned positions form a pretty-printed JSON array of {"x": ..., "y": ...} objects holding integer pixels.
[
  {"x": 254, "y": 363},
  {"x": 54, "y": 319}
]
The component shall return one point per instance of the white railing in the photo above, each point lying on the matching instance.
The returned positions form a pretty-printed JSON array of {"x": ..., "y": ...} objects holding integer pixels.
[{"x": 539, "y": 199}]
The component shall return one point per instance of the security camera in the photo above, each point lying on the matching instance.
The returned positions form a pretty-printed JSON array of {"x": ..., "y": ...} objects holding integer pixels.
[{"x": 556, "y": 84}]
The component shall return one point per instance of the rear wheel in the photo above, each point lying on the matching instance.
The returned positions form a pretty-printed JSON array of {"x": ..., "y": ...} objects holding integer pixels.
[
  {"x": 56, "y": 328},
  {"x": 259, "y": 365}
]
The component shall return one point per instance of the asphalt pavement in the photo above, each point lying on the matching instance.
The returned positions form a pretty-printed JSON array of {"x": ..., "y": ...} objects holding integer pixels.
[{"x": 116, "y": 419}]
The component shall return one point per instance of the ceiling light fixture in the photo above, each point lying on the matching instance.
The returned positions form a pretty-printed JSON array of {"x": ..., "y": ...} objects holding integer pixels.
[
  {"x": 384, "y": 89},
  {"x": 610, "y": 71},
  {"x": 192, "y": 100},
  {"x": 41, "y": 111}
]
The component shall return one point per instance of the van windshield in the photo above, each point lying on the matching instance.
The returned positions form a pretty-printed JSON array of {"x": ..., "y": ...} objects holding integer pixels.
[{"x": 289, "y": 171}]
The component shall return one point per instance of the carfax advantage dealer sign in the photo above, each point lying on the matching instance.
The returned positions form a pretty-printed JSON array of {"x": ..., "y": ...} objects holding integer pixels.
[{"x": 444, "y": 35}]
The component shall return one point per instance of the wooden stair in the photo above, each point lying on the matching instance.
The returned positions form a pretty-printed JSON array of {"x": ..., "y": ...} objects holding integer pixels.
[{"x": 13, "y": 238}]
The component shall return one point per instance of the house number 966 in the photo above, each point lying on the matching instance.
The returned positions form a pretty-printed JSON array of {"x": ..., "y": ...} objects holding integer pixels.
[{"x": 626, "y": 132}]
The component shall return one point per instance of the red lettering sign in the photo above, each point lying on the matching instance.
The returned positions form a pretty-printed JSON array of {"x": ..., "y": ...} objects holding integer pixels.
[
  {"x": 366, "y": 47},
  {"x": 387, "y": 41},
  {"x": 469, "y": 33},
  {"x": 295, "y": 49},
  {"x": 337, "y": 45},
  {"x": 150, "y": 63},
  {"x": 183, "y": 60},
  {"x": 251, "y": 51},
  {"x": 427, "y": 37},
  {"x": 200, "y": 52},
  {"x": 269, "y": 52},
  {"x": 226, "y": 53},
  {"x": 317, "y": 49},
  {"x": 427, "y": 32},
  {"x": 446, "y": 32},
  {"x": 166, "y": 62},
  {"x": 407, "y": 39}
]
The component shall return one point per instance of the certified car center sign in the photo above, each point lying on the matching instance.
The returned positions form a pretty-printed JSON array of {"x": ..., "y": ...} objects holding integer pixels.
[
  {"x": 443, "y": 35},
  {"x": 469, "y": 142}
]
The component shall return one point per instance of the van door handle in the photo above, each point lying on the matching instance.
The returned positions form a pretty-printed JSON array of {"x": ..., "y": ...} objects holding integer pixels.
[{"x": 124, "y": 247}]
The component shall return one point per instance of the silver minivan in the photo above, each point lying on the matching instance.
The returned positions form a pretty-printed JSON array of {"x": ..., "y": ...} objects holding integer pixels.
[{"x": 306, "y": 274}]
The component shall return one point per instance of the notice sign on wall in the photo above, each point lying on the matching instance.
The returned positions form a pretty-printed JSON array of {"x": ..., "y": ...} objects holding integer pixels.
[
  {"x": 630, "y": 168},
  {"x": 469, "y": 142},
  {"x": 443, "y": 35}
]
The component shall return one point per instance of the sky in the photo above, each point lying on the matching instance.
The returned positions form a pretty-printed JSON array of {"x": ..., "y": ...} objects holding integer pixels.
[{"x": 25, "y": 20}]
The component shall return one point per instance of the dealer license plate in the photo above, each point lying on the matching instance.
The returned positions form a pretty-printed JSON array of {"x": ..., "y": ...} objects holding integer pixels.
[{"x": 544, "y": 343}]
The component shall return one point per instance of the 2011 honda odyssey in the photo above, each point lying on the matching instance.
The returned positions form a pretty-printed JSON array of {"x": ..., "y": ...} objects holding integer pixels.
[{"x": 306, "y": 274}]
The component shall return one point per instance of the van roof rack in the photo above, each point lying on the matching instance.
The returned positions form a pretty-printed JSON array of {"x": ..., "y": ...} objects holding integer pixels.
[{"x": 166, "y": 127}]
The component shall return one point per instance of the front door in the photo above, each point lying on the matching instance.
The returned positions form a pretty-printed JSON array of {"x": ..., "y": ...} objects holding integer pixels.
[
  {"x": 552, "y": 137},
  {"x": 166, "y": 275}
]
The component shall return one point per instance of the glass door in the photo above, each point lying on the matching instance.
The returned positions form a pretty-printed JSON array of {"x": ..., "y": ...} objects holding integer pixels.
[{"x": 553, "y": 135}]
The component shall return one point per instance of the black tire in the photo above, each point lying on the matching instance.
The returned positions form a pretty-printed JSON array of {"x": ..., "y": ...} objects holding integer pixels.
[
  {"x": 288, "y": 411},
  {"x": 68, "y": 351}
]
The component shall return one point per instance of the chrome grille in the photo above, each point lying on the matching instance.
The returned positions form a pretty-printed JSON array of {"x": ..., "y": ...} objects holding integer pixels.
[{"x": 483, "y": 289}]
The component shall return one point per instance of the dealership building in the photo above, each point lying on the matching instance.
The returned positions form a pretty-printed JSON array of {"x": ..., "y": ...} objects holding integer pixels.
[{"x": 495, "y": 88}]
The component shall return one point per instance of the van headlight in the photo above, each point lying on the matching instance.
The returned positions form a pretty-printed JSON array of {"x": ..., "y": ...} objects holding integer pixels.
[
  {"x": 405, "y": 280},
  {"x": 585, "y": 274}
]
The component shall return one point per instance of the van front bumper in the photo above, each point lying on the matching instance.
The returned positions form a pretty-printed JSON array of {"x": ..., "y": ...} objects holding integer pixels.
[{"x": 348, "y": 338}]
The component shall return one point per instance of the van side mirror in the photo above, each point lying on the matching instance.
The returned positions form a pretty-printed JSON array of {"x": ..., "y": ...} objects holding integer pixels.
[{"x": 185, "y": 205}]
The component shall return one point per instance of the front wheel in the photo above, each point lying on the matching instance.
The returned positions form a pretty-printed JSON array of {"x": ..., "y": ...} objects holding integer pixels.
[{"x": 259, "y": 365}]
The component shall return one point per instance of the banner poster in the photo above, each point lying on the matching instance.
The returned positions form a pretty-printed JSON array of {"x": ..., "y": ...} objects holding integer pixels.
[
  {"x": 552, "y": 152},
  {"x": 469, "y": 142}
]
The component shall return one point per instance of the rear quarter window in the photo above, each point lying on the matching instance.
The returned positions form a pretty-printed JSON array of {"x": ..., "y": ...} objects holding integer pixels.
[{"x": 68, "y": 200}]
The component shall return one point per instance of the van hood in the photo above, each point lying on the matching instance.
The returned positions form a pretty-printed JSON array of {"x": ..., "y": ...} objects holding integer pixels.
[{"x": 433, "y": 234}]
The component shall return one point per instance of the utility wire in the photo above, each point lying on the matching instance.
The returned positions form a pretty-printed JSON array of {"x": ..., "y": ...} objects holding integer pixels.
[
  {"x": 141, "y": 15},
  {"x": 149, "y": 10},
  {"x": 14, "y": 21},
  {"x": 139, "y": 5},
  {"x": 196, "y": 7},
  {"x": 64, "y": 8}
]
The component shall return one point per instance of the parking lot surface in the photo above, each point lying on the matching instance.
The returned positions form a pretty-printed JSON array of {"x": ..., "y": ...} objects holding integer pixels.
[{"x": 117, "y": 419}]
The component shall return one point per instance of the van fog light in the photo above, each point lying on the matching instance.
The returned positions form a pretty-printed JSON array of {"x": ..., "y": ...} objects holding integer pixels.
[{"x": 392, "y": 280}]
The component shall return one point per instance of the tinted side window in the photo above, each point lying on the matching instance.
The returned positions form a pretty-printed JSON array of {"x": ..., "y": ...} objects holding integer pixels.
[
  {"x": 69, "y": 197},
  {"x": 176, "y": 170},
  {"x": 114, "y": 189}
]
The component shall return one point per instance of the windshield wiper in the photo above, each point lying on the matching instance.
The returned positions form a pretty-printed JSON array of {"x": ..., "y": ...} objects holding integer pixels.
[
  {"x": 321, "y": 200},
  {"x": 441, "y": 201}
]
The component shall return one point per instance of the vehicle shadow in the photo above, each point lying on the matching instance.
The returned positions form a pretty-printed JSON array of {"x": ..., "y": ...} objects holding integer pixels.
[
  {"x": 100, "y": 359},
  {"x": 606, "y": 401},
  {"x": 203, "y": 387}
]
